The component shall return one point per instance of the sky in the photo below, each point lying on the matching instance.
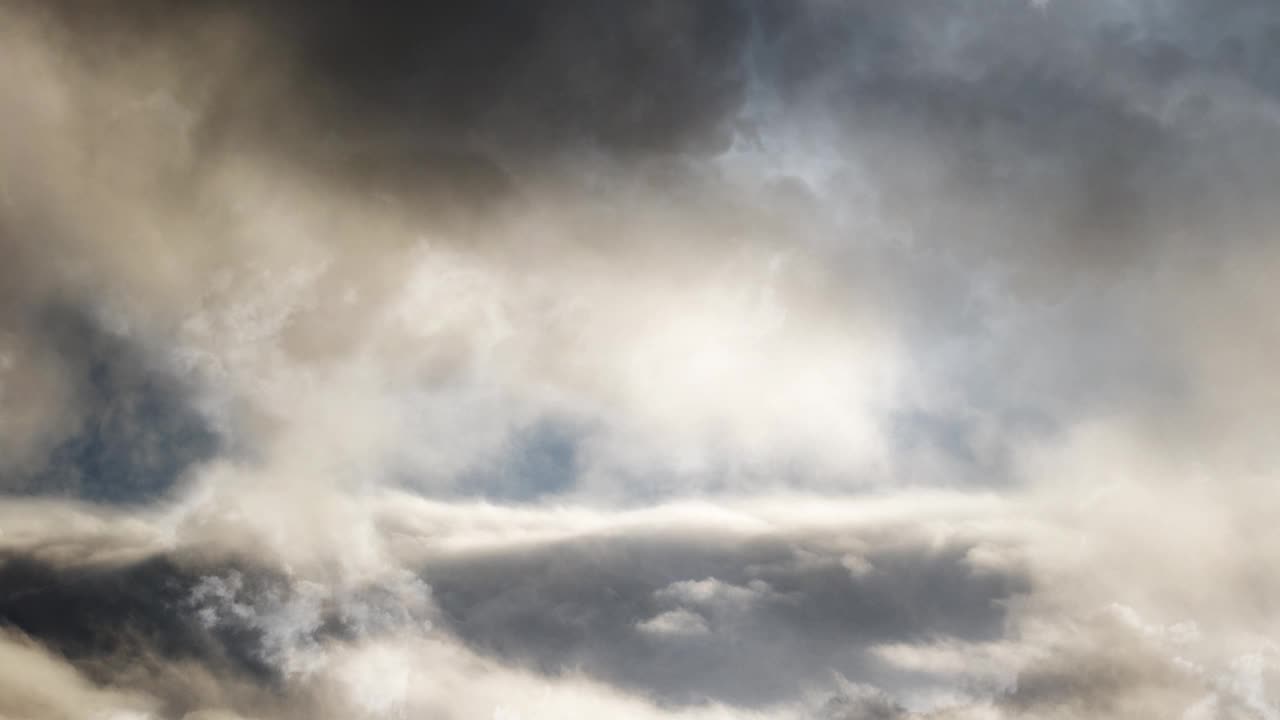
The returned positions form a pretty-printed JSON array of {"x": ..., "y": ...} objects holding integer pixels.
[{"x": 661, "y": 360}]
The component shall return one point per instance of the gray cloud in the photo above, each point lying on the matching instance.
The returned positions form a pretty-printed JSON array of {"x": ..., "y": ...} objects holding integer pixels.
[
  {"x": 726, "y": 360},
  {"x": 771, "y": 616},
  {"x": 101, "y": 616},
  {"x": 888, "y": 612},
  {"x": 194, "y": 628}
]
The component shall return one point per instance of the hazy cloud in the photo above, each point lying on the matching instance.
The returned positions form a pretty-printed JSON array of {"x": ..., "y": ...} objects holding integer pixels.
[{"x": 662, "y": 360}]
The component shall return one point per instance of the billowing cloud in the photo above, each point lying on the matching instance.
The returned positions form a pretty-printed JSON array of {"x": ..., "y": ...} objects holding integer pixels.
[{"x": 661, "y": 360}]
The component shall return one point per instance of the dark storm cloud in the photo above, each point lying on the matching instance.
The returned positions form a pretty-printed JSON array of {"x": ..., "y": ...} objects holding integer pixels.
[
  {"x": 650, "y": 76},
  {"x": 437, "y": 98},
  {"x": 101, "y": 617},
  {"x": 671, "y": 77},
  {"x": 668, "y": 76},
  {"x": 683, "y": 617},
  {"x": 1053, "y": 121},
  {"x": 192, "y": 632},
  {"x": 698, "y": 618}
]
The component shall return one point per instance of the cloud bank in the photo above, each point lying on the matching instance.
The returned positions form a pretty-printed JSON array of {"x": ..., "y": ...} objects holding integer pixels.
[{"x": 834, "y": 360}]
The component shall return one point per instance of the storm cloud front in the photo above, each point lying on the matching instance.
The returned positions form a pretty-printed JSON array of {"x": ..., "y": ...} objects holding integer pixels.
[{"x": 813, "y": 360}]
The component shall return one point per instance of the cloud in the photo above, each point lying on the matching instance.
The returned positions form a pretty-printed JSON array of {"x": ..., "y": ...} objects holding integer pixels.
[
  {"x": 674, "y": 622},
  {"x": 771, "y": 613},
  {"x": 735, "y": 360},
  {"x": 199, "y": 626},
  {"x": 747, "y": 611},
  {"x": 50, "y": 688}
]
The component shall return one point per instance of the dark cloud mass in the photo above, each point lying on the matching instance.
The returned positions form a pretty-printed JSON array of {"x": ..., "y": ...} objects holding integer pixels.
[
  {"x": 96, "y": 616},
  {"x": 769, "y": 616},
  {"x": 848, "y": 360}
]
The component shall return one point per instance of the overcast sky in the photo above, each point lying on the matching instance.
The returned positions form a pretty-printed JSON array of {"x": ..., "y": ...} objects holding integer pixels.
[{"x": 730, "y": 359}]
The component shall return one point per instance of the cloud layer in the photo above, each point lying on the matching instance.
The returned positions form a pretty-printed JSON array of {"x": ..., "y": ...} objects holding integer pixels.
[{"x": 835, "y": 360}]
